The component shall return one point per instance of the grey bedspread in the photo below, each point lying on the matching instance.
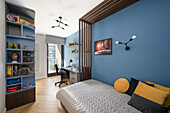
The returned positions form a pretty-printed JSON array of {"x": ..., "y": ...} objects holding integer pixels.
[{"x": 92, "y": 96}]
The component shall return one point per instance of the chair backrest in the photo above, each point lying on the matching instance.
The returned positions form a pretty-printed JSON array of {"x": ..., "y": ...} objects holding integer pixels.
[{"x": 56, "y": 66}]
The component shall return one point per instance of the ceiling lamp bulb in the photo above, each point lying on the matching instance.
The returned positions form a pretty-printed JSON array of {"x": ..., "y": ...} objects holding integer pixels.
[
  {"x": 134, "y": 36},
  {"x": 117, "y": 42}
]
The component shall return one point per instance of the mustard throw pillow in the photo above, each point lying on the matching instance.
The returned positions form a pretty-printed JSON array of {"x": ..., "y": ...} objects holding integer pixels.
[
  {"x": 167, "y": 100},
  {"x": 121, "y": 85},
  {"x": 151, "y": 93}
]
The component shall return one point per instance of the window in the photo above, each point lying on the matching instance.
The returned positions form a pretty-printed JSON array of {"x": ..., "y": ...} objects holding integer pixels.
[{"x": 51, "y": 58}]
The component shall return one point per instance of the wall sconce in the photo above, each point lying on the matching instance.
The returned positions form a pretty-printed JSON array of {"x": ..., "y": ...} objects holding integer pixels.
[{"x": 127, "y": 47}]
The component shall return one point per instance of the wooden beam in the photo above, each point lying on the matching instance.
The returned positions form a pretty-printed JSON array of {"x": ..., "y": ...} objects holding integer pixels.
[
  {"x": 95, "y": 9},
  {"x": 79, "y": 50},
  {"x": 105, "y": 9},
  {"x": 86, "y": 51},
  {"x": 114, "y": 9},
  {"x": 90, "y": 49},
  {"x": 82, "y": 50}
]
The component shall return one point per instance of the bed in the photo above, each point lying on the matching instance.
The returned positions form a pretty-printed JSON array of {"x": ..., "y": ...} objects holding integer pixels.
[{"x": 92, "y": 96}]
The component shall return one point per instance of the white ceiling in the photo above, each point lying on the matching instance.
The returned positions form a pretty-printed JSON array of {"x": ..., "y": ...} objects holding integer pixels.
[{"x": 49, "y": 10}]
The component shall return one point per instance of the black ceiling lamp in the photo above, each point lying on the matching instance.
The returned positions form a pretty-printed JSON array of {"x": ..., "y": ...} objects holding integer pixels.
[
  {"x": 59, "y": 23},
  {"x": 127, "y": 47}
]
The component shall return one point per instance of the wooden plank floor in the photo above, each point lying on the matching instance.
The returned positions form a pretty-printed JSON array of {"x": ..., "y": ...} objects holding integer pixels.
[{"x": 46, "y": 101}]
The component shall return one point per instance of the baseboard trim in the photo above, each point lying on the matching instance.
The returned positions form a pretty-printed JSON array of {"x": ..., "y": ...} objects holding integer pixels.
[
  {"x": 37, "y": 78},
  {"x": 4, "y": 110}
]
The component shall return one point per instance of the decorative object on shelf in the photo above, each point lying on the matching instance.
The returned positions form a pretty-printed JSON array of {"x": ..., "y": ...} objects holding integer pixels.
[
  {"x": 32, "y": 36},
  {"x": 70, "y": 62},
  {"x": 75, "y": 51},
  {"x": 14, "y": 81},
  {"x": 103, "y": 47},
  {"x": 15, "y": 71},
  {"x": 26, "y": 70},
  {"x": 10, "y": 45},
  {"x": 13, "y": 88},
  {"x": 10, "y": 17},
  {"x": 27, "y": 86},
  {"x": 14, "y": 57},
  {"x": 27, "y": 60},
  {"x": 9, "y": 70},
  {"x": 72, "y": 43},
  {"x": 16, "y": 45},
  {"x": 59, "y": 23},
  {"x": 18, "y": 19},
  {"x": 127, "y": 47},
  {"x": 25, "y": 47},
  {"x": 13, "y": 45},
  {"x": 28, "y": 54}
]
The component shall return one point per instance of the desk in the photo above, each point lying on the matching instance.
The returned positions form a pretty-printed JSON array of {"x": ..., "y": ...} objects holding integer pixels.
[{"x": 73, "y": 73}]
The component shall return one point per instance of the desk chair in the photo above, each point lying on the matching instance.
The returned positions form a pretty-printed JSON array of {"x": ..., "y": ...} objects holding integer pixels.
[{"x": 62, "y": 73}]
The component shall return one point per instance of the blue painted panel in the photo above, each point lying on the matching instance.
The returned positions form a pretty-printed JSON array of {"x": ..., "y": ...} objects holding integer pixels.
[
  {"x": 149, "y": 57},
  {"x": 68, "y": 50}
]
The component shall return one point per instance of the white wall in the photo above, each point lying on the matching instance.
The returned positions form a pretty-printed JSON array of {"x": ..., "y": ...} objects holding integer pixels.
[
  {"x": 2, "y": 56},
  {"x": 40, "y": 56}
]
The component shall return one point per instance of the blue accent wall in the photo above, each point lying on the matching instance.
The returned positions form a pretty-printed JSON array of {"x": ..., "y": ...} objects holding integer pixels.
[
  {"x": 149, "y": 57},
  {"x": 68, "y": 50}
]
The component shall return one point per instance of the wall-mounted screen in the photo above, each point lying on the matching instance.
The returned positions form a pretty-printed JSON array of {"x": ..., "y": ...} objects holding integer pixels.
[{"x": 103, "y": 47}]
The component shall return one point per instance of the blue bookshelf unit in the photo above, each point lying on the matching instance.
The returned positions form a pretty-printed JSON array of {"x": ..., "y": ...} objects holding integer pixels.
[
  {"x": 20, "y": 57},
  {"x": 23, "y": 59}
]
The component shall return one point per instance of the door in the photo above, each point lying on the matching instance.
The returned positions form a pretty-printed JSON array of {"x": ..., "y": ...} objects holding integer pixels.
[{"x": 51, "y": 59}]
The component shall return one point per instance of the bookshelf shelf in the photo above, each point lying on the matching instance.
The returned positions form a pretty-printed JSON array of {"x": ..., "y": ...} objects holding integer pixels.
[
  {"x": 20, "y": 76},
  {"x": 20, "y": 37},
  {"x": 14, "y": 84}
]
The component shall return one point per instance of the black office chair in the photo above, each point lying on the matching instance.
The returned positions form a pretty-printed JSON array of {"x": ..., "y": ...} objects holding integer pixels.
[{"x": 62, "y": 73}]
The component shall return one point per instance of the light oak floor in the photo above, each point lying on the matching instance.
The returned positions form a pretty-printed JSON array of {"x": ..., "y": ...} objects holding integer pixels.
[{"x": 46, "y": 101}]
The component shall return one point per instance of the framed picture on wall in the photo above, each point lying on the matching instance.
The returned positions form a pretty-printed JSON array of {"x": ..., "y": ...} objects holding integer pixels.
[{"x": 103, "y": 47}]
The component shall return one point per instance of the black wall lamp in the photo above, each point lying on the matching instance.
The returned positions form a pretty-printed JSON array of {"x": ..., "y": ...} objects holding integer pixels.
[
  {"x": 127, "y": 47},
  {"x": 70, "y": 62}
]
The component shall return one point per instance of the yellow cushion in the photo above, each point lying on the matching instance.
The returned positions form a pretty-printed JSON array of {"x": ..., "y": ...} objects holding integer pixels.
[
  {"x": 121, "y": 85},
  {"x": 167, "y": 101},
  {"x": 151, "y": 93}
]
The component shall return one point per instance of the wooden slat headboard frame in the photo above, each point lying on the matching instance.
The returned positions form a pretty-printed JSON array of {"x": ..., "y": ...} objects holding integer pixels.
[{"x": 101, "y": 11}]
